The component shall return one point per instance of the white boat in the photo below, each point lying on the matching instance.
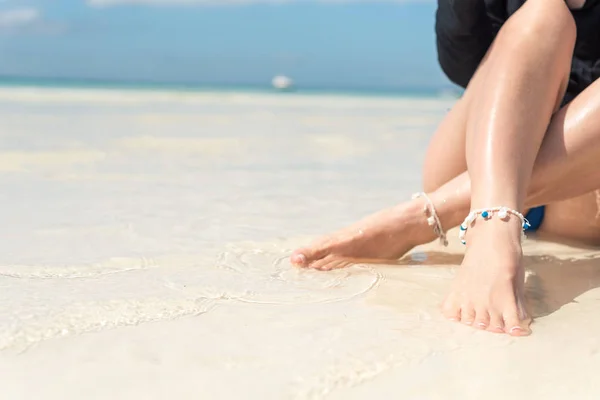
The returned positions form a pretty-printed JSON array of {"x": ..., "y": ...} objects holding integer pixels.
[{"x": 281, "y": 82}]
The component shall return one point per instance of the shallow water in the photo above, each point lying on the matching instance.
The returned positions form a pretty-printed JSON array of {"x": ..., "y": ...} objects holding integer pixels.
[{"x": 144, "y": 254}]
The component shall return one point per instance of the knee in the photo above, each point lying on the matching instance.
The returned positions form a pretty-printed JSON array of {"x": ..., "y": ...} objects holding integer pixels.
[{"x": 544, "y": 22}]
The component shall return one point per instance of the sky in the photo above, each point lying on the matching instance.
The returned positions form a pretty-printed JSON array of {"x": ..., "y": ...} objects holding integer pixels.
[{"x": 319, "y": 43}]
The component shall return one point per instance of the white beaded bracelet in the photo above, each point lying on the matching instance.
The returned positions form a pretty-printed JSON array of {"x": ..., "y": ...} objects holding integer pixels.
[
  {"x": 487, "y": 213},
  {"x": 432, "y": 218}
]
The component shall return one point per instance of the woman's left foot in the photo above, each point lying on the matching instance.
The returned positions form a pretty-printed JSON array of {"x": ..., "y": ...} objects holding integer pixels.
[
  {"x": 488, "y": 290},
  {"x": 384, "y": 236}
]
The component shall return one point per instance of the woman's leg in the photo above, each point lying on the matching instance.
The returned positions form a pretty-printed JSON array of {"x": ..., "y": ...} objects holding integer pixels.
[
  {"x": 565, "y": 177},
  {"x": 442, "y": 165},
  {"x": 566, "y": 169},
  {"x": 519, "y": 92},
  {"x": 392, "y": 232},
  {"x": 576, "y": 219}
]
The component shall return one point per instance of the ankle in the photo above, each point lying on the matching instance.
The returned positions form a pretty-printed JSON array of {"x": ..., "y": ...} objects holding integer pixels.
[
  {"x": 416, "y": 229},
  {"x": 500, "y": 236},
  {"x": 429, "y": 211},
  {"x": 504, "y": 218}
]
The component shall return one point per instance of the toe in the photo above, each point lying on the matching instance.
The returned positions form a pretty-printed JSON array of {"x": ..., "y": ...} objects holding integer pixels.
[
  {"x": 325, "y": 264},
  {"x": 467, "y": 315},
  {"x": 299, "y": 259},
  {"x": 514, "y": 326},
  {"x": 339, "y": 264},
  {"x": 451, "y": 310},
  {"x": 308, "y": 255},
  {"x": 482, "y": 319},
  {"x": 496, "y": 323}
]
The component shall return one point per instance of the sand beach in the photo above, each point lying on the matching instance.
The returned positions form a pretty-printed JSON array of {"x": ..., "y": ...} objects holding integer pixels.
[{"x": 144, "y": 244}]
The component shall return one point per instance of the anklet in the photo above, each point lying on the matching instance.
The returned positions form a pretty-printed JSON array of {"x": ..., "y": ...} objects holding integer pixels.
[
  {"x": 486, "y": 214},
  {"x": 432, "y": 218}
]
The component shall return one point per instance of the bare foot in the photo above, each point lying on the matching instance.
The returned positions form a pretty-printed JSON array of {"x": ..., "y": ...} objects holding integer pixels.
[
  {"x": 384, "y": 236},
  {"x": 488, "y": 290}
]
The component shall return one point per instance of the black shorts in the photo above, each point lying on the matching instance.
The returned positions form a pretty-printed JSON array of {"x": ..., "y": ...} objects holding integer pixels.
[{"x": 464, "y": 34}]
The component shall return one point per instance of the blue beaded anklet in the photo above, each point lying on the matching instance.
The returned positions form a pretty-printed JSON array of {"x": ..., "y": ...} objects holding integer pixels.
[{"x": 488, "y": 213}]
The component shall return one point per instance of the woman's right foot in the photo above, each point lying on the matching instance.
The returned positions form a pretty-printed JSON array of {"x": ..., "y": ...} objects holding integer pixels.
[{"x": 384, "y": 236}]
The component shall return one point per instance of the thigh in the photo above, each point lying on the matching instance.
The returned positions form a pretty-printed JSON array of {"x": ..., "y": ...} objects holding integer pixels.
[
  {"x": 445, "y": 158},
  {"x": 446, "y": 154},
  {"x": 576, "y": 219}
]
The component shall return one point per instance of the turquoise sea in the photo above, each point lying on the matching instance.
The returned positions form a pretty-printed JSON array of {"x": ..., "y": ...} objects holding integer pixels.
[{"x": 75, "y": 83}]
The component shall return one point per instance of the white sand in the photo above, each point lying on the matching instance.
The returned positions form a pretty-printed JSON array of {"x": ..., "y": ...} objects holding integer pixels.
[{"x": 143, "y": 255}]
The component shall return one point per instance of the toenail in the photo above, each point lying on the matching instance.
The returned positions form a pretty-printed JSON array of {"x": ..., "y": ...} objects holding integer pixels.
[
  {"x": 515, "y": 328},
  {"x": 482, "y": 325},
  {"x": 468, "y": 322},
  {"x": 299, "y": 259}
]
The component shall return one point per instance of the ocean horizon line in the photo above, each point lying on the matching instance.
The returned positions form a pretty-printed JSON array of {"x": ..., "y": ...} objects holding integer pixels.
[{"x": 115, "y": 84}]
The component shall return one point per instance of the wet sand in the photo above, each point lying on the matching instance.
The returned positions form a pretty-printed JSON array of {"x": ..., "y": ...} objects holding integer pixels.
[{"x": 144, "y": 252}]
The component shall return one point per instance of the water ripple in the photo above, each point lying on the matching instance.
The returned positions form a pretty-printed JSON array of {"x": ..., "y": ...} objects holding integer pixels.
[{"x": 47, "y": 302}]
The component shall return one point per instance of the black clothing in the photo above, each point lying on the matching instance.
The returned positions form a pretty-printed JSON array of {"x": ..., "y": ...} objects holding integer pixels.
[{"x": 465, "y": 30}]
